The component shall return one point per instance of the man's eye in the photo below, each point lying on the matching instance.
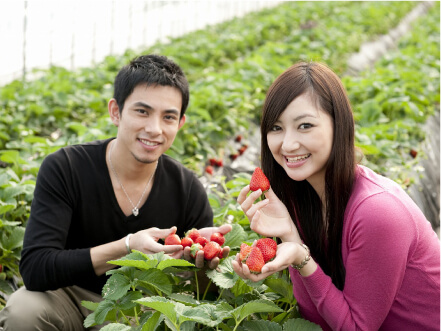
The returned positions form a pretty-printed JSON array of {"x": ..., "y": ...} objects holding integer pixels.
[
  {"x": 141, "y": 111},
  {"x": 170, "y": 118}
]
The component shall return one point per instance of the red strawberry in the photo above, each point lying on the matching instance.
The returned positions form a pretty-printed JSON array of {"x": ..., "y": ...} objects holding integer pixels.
[
  {"x": 268, "y": 247},
  {"x": 218, "y": 237},
  {"x": 244, "y": 252},
  {"x": 186, "y": 241},
  {"x": 238, "y": 138},
  {"x": 209, "y": 169},
  {"x": 194, "y": 249},
  {"x": 219, "y": 163},
  {"x": 413, "y": 153},
  {"x": 259, "y": 181},
  {"x": 211, "y": 250},
  {"x": 234, "y": 156},
  {"x": 212, "y": 161},
  {"x": 242, "y": 149},
  {"x": 255, "y": 260},
  {"x": 193, "y": 234},
  {"x": 201, "y": 240},
  {"x": 172, "y": 239}
]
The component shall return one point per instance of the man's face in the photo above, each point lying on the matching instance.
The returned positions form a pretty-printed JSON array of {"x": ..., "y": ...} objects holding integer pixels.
[{"x": 149, "y": 121}]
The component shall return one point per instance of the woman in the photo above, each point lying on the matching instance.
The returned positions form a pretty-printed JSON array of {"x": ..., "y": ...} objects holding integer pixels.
[{"x": 360, "y": 252}]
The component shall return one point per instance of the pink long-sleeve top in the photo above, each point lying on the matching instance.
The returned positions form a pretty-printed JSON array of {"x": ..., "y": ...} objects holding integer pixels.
[{"x": 392, "y": 260}]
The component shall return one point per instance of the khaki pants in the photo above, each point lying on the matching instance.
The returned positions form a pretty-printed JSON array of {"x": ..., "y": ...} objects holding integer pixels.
[{"x": 47, "y": 311}]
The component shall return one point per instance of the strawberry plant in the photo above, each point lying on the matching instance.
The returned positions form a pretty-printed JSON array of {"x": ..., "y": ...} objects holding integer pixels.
[{"x": 150, "y": 292}]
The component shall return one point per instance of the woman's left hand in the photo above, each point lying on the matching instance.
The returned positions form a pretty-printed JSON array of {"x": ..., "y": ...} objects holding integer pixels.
[{"x": 287, "y": 253}]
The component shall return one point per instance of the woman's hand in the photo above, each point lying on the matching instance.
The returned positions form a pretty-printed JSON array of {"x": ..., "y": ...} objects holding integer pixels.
[
  {"x": 287, "y": 254},
  {"x": 199, "y": 260},
  {"x": 268, "y": 217}
]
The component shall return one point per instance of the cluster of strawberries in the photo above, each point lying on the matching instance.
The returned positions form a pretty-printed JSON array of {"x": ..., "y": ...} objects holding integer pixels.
[
  {"x": 256, "y": 256},
  {"x": 211, "y": 247},
  {"x": 218, "y": 162}
]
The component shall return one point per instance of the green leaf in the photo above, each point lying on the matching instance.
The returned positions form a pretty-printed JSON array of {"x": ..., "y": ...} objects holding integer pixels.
[
  {"x": 174, "y": 263},
  {"x": 298, "y": 324},
  {"x": 116, "y": 287},
  {"x": 256, "y": 306},
  {"x": 281, "y": 286},
  {"x": 5, "y": 287},
  {"x": 162, "y": 305},
  {"x": 156, "y": 278},
  {"x": 13, "y": 240},
  {"x": 224, "y": 276},
  {"x": 261, "y": 325},
  {"x": 236, "y": 236},
  {"x": 89, "y": 305},
  {"x": 153, "y": 322},
  {"x": 104, "y": 308},
  {"x": 128, "y": 301},
  {"x": 116, "y": 327}
]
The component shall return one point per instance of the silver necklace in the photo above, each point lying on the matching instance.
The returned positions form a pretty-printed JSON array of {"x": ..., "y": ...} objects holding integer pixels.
[{"x": 135, "y": 210}]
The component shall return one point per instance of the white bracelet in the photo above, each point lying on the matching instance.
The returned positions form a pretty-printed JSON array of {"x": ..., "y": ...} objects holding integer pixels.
[{"x": 128, "y": 243}]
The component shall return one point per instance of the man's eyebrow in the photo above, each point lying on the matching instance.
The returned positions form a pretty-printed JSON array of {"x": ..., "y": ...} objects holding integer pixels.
[
  {"x": 142, "y": 104},
  {"x": 146, "y": 105}
]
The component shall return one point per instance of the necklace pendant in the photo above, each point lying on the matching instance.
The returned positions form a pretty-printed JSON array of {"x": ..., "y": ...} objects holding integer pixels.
[{"x": 135, "y": 211}]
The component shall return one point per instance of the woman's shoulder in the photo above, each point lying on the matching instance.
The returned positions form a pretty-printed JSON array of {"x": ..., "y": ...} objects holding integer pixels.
[{"x": 377, "y": 198}]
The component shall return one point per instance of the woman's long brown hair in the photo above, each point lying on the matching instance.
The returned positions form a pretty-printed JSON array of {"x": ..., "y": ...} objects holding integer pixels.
[{"x": 323, "y": 236}]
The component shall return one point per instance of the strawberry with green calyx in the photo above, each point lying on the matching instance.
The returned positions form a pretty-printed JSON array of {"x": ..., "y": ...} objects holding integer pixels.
[
  {"x": 186, "y": 242},
  {"x": 194, "y": 249},
  {"x": 255, "y": 260},
  {"x": 259, "y": 181},
  {"x": 244, "y": 252},
  {"x": 211, "y": 250},
  {"x": 172, "y": 239},
  {"x": 201, "y": 240},
  {"x": 268, "y": 247},
  {"x": 193, "y": 234},
  {"x": 218, "y": 237}
]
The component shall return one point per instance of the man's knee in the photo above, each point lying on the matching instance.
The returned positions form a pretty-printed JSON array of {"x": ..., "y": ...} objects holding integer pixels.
[{"x": 28, "y": 310}]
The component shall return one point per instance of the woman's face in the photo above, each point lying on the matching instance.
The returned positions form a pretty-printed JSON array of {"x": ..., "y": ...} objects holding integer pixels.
[{"x": 301, "y": 141}]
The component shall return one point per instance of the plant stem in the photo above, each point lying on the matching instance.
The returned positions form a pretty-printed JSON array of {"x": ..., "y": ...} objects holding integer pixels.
[
  {"x": 220, "y": 294},
  {"x": 206, "y": 290},
  {"x": 197, "y": 284}
]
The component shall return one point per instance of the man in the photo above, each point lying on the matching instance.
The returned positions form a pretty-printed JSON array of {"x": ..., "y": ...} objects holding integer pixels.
[{"x": 95, "y": 202}]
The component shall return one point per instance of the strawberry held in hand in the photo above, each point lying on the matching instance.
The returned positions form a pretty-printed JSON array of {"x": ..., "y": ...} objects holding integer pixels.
[
  {"x": 211, "y": 250},
  {"x": 172, "y": 239},
  {"x": 259, "y": 181},
  {"x": 244, "y": 252},
  {"x": 218, "y": 237},
  {"x": 255, "y": 260},
  {"x": 268, "y": 247}
]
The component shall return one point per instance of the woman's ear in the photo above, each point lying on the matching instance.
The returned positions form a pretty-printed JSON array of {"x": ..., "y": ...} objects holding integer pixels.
[{"x": 114, "y": 111}]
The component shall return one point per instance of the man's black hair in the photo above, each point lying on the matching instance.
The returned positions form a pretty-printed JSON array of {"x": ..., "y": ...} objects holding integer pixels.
[{"x": 150, "y": 70}]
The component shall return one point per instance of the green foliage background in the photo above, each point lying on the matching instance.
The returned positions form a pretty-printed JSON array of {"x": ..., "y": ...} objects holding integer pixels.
[{"x": 229, "y": 66}]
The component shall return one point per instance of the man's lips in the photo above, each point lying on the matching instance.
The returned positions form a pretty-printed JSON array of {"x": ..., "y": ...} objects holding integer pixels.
[{"x": 149, "y": 142}]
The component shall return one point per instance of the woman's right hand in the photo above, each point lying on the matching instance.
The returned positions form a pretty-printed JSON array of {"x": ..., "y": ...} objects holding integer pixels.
[{"x": 268, "y": 217}]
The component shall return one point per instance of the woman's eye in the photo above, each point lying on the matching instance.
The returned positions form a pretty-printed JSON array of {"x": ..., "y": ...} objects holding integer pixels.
[
  {"x": 275, "y": 128},
  {"x": 304, "y": 126}
]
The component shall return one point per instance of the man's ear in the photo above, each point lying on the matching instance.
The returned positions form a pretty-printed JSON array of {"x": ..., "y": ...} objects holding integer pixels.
[
  {"x": 114, "y": 111},
  {"x": 181, "y": 121}
]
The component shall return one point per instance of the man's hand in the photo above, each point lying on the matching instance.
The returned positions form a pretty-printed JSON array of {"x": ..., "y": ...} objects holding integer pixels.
[
  {"x": 199, "y": 260},
  {"x": 146, "y": 241}
]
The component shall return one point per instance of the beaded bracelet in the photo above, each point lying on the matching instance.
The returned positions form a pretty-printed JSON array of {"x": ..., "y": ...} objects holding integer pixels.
[
  {"x": 305, "y": 260},
  {"x": 128, "y": 243}
]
